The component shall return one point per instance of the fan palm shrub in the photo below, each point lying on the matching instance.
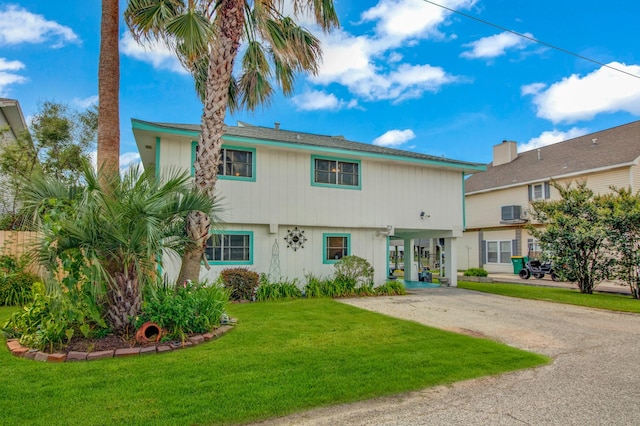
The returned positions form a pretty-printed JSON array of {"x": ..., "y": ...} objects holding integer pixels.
[{"x": 110, "y": 234}]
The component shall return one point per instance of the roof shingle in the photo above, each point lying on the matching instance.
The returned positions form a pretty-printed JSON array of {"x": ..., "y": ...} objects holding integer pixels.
[{"x": 616, "y": 146}]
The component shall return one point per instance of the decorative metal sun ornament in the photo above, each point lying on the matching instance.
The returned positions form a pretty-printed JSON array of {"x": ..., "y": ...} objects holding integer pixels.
[{"x": 295, "y": 238}]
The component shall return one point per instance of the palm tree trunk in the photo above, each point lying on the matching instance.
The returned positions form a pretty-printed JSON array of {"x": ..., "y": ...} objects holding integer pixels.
[
  {"x": 125, "y": 301},
  {"x": 108, "y": 90},
  {"x": 222, "y": 54}
]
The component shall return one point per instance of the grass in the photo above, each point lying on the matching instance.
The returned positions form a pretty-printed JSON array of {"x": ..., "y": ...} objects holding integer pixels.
[
  {"x": 612, "y": 302},
  {"x": 283, "y": 357}
]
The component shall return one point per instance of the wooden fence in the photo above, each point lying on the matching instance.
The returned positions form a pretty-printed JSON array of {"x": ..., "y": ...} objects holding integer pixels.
[{"x": 17, "y": 243}]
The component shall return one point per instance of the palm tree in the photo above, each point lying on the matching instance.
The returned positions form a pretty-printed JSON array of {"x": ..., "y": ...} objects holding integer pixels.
[
  {"x": 111, "y": 233},
  {"x": 206, "y": 35},
  {"x": 109, "y": 90}
]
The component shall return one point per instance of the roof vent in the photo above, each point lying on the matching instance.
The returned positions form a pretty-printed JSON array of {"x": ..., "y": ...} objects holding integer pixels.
[
  {"x": 276, "y": 125},
  {"x": 539, "y": 154},
  {"x": 595, "y": 141}
]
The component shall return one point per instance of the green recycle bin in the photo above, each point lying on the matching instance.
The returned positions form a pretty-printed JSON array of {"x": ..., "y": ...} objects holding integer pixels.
[{"x": 518, "y": 263}]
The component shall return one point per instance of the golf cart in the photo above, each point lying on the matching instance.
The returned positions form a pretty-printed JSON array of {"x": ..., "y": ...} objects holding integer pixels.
[{"x": 537, "y": 269}]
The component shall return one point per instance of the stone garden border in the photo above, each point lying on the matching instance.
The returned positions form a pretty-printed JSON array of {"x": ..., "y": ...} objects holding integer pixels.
[{"x": 20, "y": 351}]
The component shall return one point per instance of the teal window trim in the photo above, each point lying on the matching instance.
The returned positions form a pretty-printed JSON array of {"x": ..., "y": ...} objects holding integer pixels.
[
  {"x": 194, "y": 145},
  {"x": 335, "y": 185},
  {"x": 235, "y": 262},
  {"x": 252, "y": 178},
  {"x": 325, "y": 237},
  {"x": 158, "y": 156}
]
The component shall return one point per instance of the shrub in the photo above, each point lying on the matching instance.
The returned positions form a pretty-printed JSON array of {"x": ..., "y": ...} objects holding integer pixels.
[
  {"x": 15, "y": 288},
  {"x": 475, "y": 272},
  {"x": 390, "y": 288},
  {"x": 280, "y": 290},
  {"x": 354, "y": 268},
  {"x": 240, "y": 282},
  {"x": 52, "y": 319},
  {"x": 191, "y": 308}
]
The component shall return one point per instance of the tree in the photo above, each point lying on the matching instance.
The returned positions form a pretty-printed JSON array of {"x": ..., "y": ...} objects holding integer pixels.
[
  {"x": 59, "y": 144},
  {"x": 109, "y": 89},
  {"x": 206, "y": 35},
  {"x": 622, "y": 219},
  {"x": 110, "y": 235},
  {"x": 575, "y": 237}
]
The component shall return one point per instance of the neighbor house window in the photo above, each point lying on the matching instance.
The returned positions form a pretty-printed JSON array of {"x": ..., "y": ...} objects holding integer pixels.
[
  {"x": 499, "y": 251},
  {"x": 335, "y": 172},
  {"x": 235, "y": 163},
  {"x": 233, "y": 247},
  {"x": 336, "y": 246},
  {"x": 539, "y": 191}
]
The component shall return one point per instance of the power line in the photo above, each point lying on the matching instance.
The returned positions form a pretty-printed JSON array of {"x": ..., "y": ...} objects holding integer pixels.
[{"x": 491, "y": 24}]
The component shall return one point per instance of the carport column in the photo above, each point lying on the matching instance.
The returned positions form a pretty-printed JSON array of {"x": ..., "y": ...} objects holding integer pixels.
[
  {"x": 451, "y": 260},
  {"x": 408, "y": 260}
]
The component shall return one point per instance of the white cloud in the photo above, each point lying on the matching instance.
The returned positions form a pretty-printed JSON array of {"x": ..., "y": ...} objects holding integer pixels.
[
  {"x": 495, "y": 45},
  {"x": 18, "y": 25},
  {"x": 394, "y": 138},
  {"x": 368, "y": 66},
  {"x": 550, "y": 137},
  {"x": 86, "y": 102},
  {"x": 129, "y": 159},
  {"x": 401, "y": 19},
  {"x": 577, "y": 98},
  {"x": 7, "y": 76},
  {"x": 319, "y": 100},
  {"x": 155, "y": 53}
]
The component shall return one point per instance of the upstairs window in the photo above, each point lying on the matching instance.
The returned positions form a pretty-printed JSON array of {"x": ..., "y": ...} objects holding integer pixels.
[
  {"x": 335, "y": 172},
  {"x": 539, "y": 191},
  {"x": 236, "y": 163}
]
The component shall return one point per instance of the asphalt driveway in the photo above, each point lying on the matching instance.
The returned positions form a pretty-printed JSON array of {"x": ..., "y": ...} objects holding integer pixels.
[{"x": 594, "y": 378}]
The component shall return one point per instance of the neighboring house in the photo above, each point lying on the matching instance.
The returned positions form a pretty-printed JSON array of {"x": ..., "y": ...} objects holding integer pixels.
[
  {"x": 12, "y": 122},
  {"x": 12, "y": 125},
  {"x": 295, "y": 203},
  {"x": 498, "y": 200}
]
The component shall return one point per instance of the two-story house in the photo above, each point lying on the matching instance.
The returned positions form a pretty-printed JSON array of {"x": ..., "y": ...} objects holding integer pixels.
[
  {"x": 498, "y": 199},
  {"x": 298, "y": 202}
]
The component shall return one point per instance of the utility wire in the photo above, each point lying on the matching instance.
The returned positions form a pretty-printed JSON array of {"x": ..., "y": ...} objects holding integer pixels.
[{"x": 491, "y": 24}]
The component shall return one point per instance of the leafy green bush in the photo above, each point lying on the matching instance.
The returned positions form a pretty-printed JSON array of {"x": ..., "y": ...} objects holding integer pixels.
[
  {"x": 354, "y": 268},
  {"x": 240, "y": 282},
  {"x": 191, "y": 308},
  {"x": 279, "y": 290},
  {"x": 15, "y": 288},
  {"x": 52, "y": 319},
  {"x": 390, "y": 288},
  {"x": 475, "y": 272}
]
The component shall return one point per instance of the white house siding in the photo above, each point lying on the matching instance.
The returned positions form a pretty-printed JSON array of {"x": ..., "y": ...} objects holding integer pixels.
[
  {"x": 601, "y": 182},
  {"x": 484, "y": 209},
  {"x": 301, "y": 262},
  {"x": 393, "y": 193}
]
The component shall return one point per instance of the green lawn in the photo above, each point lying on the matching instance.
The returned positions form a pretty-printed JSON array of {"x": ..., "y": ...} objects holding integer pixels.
[
  {"x": 611, "y": 302},
  {"x": 282, "y": 357}
]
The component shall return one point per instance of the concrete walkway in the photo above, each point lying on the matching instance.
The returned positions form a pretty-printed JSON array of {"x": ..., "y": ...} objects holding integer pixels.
[{"x": 594, "y": 378}]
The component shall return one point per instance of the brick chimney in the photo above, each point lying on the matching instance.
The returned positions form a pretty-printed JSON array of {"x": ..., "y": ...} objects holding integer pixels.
[{"x": 504, "y": 153}]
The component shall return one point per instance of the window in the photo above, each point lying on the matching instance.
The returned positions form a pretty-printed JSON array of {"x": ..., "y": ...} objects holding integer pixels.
[
  {"x": 335, "y": 172},
  {"x": 235, "y": 163},
  {"x": 539, "y": 191},
  {"x": 231, "y": 247},
  {"x": 336, "y": 246},
  {"x": 499, "y": 251}
]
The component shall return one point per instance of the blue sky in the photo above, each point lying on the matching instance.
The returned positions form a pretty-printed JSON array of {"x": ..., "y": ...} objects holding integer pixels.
[{"x": 400, "y": 73}]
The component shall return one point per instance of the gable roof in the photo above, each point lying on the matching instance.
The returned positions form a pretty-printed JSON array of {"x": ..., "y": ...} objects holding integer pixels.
[
  {"x": 615, "y": 147},
  {"x": 266, "y": 135}
]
